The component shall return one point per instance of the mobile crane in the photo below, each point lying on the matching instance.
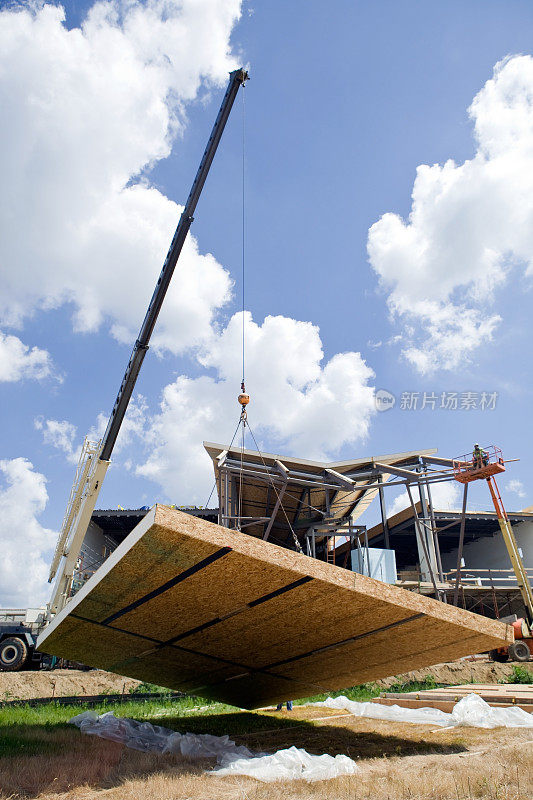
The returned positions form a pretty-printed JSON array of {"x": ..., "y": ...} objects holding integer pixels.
[
  {"x": 95, "y": 457},
  {"x": 486, "y": 463}
]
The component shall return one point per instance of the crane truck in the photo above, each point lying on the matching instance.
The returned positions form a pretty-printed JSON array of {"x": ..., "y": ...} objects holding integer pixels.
[{"x": 19, "y": 628}]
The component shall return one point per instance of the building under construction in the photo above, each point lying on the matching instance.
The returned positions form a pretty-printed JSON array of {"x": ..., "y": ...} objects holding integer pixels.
[
  {"x": 213, "y": 608},
  {"x": 322, "y": 508}
]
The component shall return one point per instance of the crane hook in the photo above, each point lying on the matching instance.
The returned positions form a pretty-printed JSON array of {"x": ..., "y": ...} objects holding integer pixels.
[{"x": 243, "y": 399}]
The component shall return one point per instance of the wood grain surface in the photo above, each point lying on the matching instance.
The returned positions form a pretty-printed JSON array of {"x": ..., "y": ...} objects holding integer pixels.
[{"x": 196, "y": 607}]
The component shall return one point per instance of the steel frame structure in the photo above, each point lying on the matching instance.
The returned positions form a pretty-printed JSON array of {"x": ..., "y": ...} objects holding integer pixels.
[
  {"x": 314, "y": 525},
  {"x": 280, "y": 505}
]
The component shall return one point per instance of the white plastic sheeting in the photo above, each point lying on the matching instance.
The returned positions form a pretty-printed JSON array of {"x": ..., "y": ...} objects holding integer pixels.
[
  {"x": 290, "y": 764},
  {"x": 153, "y": 738},
  {"x": 472, "y": 710}
]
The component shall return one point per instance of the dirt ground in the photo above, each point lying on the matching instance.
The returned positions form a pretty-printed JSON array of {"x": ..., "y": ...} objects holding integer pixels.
[
  {"x": 397, "y": 762},
  {"x": 66, "y": 682},
  {"x": 61, "y": 683},
  {"x": 456, "y": 672}
]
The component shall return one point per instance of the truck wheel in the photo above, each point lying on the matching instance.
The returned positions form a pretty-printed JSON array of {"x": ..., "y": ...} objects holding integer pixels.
[
  {"x": 13, "y": 654},
  {"x": 519, "y": 651},
  {"x": 496, "y": 655}
]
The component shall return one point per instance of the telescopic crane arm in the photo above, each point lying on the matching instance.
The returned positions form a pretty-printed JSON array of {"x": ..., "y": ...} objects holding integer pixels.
[
  {"x": 237, "y": 79},
  {"x": 91, "y": 474}
]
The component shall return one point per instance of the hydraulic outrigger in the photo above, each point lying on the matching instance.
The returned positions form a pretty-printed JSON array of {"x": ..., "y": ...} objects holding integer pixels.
[
  {"x": 95, "y": 458},
  {"x": 486, "y": 464}
]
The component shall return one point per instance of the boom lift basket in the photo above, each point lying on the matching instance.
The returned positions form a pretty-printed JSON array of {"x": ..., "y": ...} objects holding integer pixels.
[{"x": 469, "y": 468}]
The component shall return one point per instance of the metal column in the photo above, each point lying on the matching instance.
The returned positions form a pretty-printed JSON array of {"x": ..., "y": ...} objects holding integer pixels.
[
  {"x": 384, "y": 520},
  {"x": 460, "y": 548}
]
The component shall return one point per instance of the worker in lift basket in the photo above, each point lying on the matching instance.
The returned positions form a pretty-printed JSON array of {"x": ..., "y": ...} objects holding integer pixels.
[{"x": 480, "y": 457}]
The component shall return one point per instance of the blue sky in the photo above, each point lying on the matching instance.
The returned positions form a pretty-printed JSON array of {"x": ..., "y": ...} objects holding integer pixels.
[{"x": 344, "y": 103}]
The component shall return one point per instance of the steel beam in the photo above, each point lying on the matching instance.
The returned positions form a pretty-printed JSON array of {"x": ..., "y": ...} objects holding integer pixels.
[
  {"x": 422, "y": 539},
  {"x": 460, "y": 548},
  {"x": 347, "y": 483},
  {"x": 402, "y": 473},
  {"x": 275, "y": 511},
  {"x": 384, "y": 520}
]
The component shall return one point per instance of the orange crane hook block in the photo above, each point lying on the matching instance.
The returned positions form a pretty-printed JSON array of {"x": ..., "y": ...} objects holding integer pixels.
[{"x": 243, "y": 398}]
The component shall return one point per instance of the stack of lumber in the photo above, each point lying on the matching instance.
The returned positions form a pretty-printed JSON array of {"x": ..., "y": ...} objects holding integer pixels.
[
  {"x": 497, "y": 695},
  {"x": 216, "y": 613}
]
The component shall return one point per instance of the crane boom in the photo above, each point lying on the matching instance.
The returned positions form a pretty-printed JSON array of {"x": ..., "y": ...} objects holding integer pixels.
[
  {"x": 93, "y": 472},
  {"x": 237, "y": 78}
]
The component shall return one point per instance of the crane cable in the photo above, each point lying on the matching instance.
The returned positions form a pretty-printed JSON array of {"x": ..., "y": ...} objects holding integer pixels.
[
  {"x": 295, "y": 539},
  {"x": 244, "y": 398},
  {"x": 243, "y": 255},
  {"x": 229, "y": 448}
]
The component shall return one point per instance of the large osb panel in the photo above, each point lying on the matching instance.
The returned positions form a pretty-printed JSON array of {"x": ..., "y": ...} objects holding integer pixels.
[{"x": 190, "y": 605}]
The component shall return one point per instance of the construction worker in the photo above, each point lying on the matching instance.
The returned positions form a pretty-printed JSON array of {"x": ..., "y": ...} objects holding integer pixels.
[
  {"x": 280, "y": 706},
  {"x": 480, "y": 457}
]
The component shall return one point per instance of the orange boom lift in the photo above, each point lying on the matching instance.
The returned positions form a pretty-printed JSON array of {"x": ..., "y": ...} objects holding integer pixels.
[{"x": 486, "y": 463}]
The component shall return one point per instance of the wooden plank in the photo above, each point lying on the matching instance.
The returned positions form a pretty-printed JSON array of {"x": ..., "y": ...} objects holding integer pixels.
[
  {"x": 199, "y": 608},
  {"x": 497, "y": 690},
  {"x": 489, "y": 697},
  {"x": 443, "y": 705},
  {"x": 444, "y": 698}
]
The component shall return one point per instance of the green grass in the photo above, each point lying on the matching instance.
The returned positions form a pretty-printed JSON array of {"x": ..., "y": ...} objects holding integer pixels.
[
  {"x": 27, "y": 730},
  {"x": 367, "y": 691},
  {"x": 429, "y": 682},
  {"x": 30, "y": 731},
  {"x": 361, "y": 693},
  {"x": 160, "y": 708},
  {"x": 519, "y": 675},
  {"x": 56, "y": 714},
  {"x": 149, "y": 688}
]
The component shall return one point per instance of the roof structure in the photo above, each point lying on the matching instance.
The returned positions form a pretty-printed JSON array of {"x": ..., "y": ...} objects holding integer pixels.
[
  {"x": 271, "y": 494},
  {"x": 119, "y": 522},
  {"x": 193, "y": 606}
]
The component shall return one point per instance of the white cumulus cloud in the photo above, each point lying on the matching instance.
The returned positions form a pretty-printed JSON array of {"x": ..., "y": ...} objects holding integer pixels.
[
  {"x": 469, "y": 225},
  {"x": 90, "y": 111},
  {"x": 25, "y": 543},
  {"x": 298, "y": 403},
  {"x": 18, "y": 361},
  {"x": 516, "y": 486},
  {"x": 61, "y": 435},
  {"x": 133, "y": 426}
]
